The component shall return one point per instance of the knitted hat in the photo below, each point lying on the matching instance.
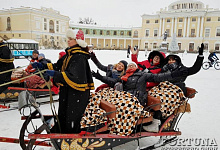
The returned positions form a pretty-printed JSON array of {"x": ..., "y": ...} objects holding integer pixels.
[
  {"x": 41, "y": 55},
  {"x": 78, "y": 35},
  {"x": 36, "y": 51},
  {"x": 124, "y": 63}
]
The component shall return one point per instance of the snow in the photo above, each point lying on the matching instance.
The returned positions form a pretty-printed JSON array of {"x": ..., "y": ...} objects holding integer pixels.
[
  {"x": 203, "y": 122},
  {"x": 21, "y": 41}
]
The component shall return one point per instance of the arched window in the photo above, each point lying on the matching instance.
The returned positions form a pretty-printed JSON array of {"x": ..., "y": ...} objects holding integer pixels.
[
  {"x": 87, "y": 31},
  {"x": 51, "y": 27},
  {"x": 8, "y": 24}
]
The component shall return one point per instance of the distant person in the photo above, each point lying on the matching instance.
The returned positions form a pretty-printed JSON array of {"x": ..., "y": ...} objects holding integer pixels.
[
  {"x": 6, "y": 63},
  {"x": 128, "y": 51},
  {"x": 212, "y": 57}
]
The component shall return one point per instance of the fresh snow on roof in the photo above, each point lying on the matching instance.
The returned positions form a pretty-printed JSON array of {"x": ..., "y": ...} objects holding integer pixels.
[{"x": 21, "y": 41}]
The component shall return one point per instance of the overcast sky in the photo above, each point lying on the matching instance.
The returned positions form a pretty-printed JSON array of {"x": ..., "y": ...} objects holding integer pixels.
[{"x": 118, "y": 13}]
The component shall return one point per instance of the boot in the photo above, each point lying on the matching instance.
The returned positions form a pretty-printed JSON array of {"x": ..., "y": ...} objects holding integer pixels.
[{"x": 154, "y": 127}]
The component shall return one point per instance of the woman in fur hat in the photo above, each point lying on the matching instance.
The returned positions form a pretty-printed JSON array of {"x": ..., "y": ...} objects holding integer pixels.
[
  {"x": 6, "y": 63},
  {"x": 73, "y": 73}
]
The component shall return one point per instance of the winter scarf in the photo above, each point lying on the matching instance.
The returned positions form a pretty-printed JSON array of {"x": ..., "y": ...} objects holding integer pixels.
[{"x": 129, "y": 72}]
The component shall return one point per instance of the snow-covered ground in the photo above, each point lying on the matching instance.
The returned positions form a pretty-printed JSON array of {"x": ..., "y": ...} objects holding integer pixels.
[{"x": 202, "y": 123}]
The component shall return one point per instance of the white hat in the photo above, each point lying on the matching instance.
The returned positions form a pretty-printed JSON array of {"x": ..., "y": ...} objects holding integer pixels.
[
  {"x": 131, "y": 62},
  {"x": 78, "y": 35}
]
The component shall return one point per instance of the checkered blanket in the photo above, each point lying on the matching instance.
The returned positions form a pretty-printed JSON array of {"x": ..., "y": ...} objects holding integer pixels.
[
  {"x": 128, "y": 112},
  {"x": 171, "y": 97}
]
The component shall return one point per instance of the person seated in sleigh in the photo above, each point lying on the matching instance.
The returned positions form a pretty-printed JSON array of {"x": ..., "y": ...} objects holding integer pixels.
[{"x": 131, "y": 100}]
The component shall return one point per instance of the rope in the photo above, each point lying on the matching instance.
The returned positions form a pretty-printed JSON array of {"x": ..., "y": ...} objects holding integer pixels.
[
  {"x": 12, "y": 69},
  {"x": 22, "y": 78}
]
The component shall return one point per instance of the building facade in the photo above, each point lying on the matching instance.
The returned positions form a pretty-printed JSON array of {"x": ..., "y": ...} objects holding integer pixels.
[
  {"x": 45, "y": 25},
  {"x": 190, "y": 20}
]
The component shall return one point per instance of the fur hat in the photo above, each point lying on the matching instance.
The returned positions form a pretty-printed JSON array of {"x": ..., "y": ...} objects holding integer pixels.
[{"x": 78, "y": 35}]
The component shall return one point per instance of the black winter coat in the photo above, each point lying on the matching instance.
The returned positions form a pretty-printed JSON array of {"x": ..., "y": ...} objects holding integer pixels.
[
  {"x": 136, "y": 83},
  {"x": 74, "y": 74},
  {"x": 6, "y": 63},
  {"x": 179, "y": 81}
]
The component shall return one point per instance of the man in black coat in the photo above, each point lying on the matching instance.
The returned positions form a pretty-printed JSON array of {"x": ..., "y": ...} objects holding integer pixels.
[
  {"x": 73, "y": 73},
  {"x": 6, "y": 63}
]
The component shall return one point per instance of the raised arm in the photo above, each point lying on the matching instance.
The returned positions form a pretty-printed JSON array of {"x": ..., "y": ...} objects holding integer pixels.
[{"x": 97, "y": 63}]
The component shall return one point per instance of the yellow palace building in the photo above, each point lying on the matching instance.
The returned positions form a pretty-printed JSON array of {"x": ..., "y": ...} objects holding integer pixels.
[
  {"x": 191, "y": 21},
  {"x": 45, "y": 25}
]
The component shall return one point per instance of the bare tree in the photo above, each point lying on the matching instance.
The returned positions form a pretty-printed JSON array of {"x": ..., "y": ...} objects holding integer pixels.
[{"x": 86, "y": 21}]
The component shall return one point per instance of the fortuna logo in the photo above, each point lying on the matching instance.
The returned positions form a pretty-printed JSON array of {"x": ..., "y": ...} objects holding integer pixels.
[{"x": 80, "y": 35}]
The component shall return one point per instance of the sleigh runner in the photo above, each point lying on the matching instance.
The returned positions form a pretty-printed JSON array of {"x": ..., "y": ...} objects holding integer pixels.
[{"x": 98, "y": 137}]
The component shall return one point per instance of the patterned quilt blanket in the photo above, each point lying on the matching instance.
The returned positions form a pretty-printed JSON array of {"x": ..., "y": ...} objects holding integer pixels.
[
  {"x": 171, "y": 97},
  {"x": 129, "y": 110}
]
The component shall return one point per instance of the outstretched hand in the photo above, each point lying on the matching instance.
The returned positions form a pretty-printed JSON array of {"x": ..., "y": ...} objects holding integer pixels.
[
  {"x": 97, "y": 75},
  {"x": 201, "y": 49},
  {"x": 134, "y": 51}
]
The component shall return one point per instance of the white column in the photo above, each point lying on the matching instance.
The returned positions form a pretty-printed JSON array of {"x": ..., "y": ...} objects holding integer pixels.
[
  {"x": 97, "y": 42},
  {"x": 111, "y": 43},
  {"x": 175, "y": 26},
  {"x": 124, "y": 43},
  {"x": 104, "y": 44},
  {"x": 160, "y": 27},
  {"x": 188, "y": 27},
  {"x": 138, "y": 44},
  {"x": 202, "y": 22},
  {"x": 131, "y": 42},
  {"x": 118, "y": 43},
  {"x": 197, "y": 34},
  {"x": 172, "y": 27},
  {"x": 184, "y": 29},
  {"x": 163, "y": 26},
  {"x": 90, "y": 40}
]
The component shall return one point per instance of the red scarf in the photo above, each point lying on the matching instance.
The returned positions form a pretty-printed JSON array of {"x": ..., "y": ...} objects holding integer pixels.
[{"x": 129, "y": 72}]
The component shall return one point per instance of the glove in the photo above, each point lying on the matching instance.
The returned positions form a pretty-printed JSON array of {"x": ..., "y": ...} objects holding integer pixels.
[
  {"x": 96, "y": 75},
  {"x": 50, "y": 72},
  {"x": 37, "y": 65},
  {"x": 179, "y": 73},
  {"x": 201, "y": 49},
  {"x": 93, "y": 57},
  {"x": 143, "y": 67}
]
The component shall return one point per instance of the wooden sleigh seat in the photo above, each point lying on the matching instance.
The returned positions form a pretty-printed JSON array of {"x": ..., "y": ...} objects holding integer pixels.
[{"x": 152, "y": 101}]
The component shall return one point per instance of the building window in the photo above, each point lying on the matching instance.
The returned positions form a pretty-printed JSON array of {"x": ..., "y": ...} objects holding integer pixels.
[
  {"x": 179, "y": 44},
  {"x": 87, "y": 31},
  {"x": 179, "y": 33},
  {"x": 207, "y": 32},
  {"x": 122, "y": 33},
  {"x": 147, "y": 33},
  {"x": 107, "y": 32},
  {"x": 191, "y": 46},
  {"x": 206, "y": 46},
  {"x": 115, "y": 32},
  {"x": 218, "y": 32},
  {"x": 218, "y": 18},
  {"x": 147, "y": 21},
  {"x": 45, "y": 24},
  {"x": 51, "y": 27},
  {"x": 13, "y": 35},
  {"x": 180, "y": 19},
  {"x": 208, "y": 19},
  {"x": 193, "y": 32},
  {"x": 57, "y": 26},
  {"x": 19, "y": 35},
  {"x": 154, "y": 45},
  {"x": 101, "y": 32},
  {"x": 155, "y": 33},
  {"x": 217, "y": 47},
  {"x": 168, "y": 20},
  {"x": 156, "y": 21},
  {"x": 8, "y": 24},
  {"x": 94, "y": 31},
  {"x": 135, "y": 33},
  {"x": 129, "y": 33},
  {"x": 193, "y": 19},
  {"x": 146, "y": 45},
  {"x": 168, "y": 32},
  {"x": 45, "y": 36}
]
